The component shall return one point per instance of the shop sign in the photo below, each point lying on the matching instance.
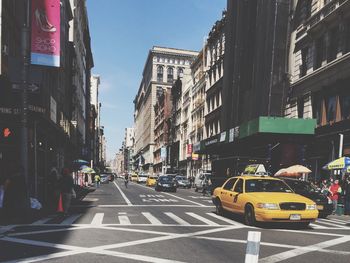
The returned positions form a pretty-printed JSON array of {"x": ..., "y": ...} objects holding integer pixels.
[
  {"x": 195, "y": 157},
  {"x": 189, "y": 150},
  {"x": 16, "y": 111},
  {"x": 231, "y": 136},
  {"x": 211, "y": 141},
  {"x": 45, "y": 46},
  {"x": 222, "y": 136},
  {"x": 163, "y": 153}
]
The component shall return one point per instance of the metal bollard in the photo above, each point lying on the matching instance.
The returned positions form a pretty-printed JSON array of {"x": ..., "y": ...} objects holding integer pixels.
[{"x": 253, "y": 247}]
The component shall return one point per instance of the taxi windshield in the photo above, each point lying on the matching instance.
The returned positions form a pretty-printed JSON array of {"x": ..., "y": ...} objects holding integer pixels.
[{"x": 261, "y": 185}]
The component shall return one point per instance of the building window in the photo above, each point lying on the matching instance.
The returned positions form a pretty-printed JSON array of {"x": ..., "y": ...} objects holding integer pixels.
[
  {"x": 345, "y": 106},
  {"x": 331, "y": 103},
  {"x": 320, "y": 54},
  {"x": 317, "y": 108},
  {"x": 180, "y": 72},
  {"x": 170, "y": 77},
  {"x": 304, "y": 61},
  {"x": 334, "y": 44},
  {"x": 300, "y": 106},
  {"x": 160, "y": 74}
]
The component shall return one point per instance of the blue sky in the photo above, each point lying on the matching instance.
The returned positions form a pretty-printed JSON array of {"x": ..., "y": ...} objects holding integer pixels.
[{"x": 123, "y": 31}]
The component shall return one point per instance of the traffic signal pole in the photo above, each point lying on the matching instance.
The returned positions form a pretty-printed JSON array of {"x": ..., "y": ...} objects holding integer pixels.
[{"x": 25, "y": 52}]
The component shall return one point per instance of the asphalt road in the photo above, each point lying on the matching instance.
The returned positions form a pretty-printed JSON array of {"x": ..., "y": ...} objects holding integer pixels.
[{"x": 137, "y": 224}]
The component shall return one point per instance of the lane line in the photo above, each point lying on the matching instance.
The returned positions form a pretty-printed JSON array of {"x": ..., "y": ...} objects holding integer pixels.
[
  {"x": 70, "y": 220},
  {"x": 153, "y": 220},
  {"x": 331, "y": 224},
  {"x": 314, "y": 226},
  {"x": 42, "y": 221},
  {"x": 300, "y": 251},
  {"x": 175, "y": 196},
  {"x": 123, "y": 195},
  {"x": 177, "y": 219},
  {"x": 202, "y": 219},
  {"x": 45, "y": 257},
  {"x": 336, "y": 252},
  {"x": 112, "y": 206},
  {"x": 98, "y": 218},
  {"x": 230, "y": 221},
  {"x": 124, "y": 220},
  {"x": 35, "y": 232}
]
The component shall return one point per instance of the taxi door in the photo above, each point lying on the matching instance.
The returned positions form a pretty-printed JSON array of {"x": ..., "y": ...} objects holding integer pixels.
[
  {"x": 237, "y": 204},
  {"x": 226, "y": 194}
]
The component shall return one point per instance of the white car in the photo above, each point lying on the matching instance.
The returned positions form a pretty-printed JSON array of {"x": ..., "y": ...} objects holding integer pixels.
[{"x": 142, "y": 178}]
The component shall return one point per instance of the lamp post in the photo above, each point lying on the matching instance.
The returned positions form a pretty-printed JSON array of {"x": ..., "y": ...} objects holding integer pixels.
[{"x": 25, "y": 52}]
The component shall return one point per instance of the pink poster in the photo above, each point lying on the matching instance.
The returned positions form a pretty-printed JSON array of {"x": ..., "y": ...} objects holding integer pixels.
[{"x": 45, "y": 49}]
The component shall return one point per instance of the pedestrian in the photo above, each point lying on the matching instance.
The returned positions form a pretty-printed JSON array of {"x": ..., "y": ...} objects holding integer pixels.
[
  {"x": 67, "y": 190},
  {"x": 335, "y": 191},
  {"x": 207, "y": 184},
  {"x": 324, "y": 187},
  {"x": 97, "y": 180},
  {"x": 126, "y": 180},
  {"x": 347, "y": 195}
]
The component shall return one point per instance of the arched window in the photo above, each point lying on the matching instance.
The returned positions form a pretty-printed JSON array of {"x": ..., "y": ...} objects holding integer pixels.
[
  {"x": 170, "y": 77},
  {"x": 160, "y": 73},
  {"x": 180, "y": 72}
]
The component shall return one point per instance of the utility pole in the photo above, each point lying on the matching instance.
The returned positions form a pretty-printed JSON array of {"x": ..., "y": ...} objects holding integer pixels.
[{"x": 25, "y": 52}]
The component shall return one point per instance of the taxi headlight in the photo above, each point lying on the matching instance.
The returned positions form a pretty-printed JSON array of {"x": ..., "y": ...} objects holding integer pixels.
[
  {"x": 311, "y": 207},
  {"x": 268, "y": 206}
]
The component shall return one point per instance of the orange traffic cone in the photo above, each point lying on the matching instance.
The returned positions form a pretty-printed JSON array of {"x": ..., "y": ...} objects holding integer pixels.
[{"x": 60, "y": 205}]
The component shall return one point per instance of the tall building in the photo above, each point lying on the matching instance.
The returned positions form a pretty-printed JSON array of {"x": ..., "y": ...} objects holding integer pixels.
[
  {"x": 96, "y": 121},
  {"x": 128, "y": 149},
  {"x": 162, "y": 67},
  {"x": 319, "y": 70}
]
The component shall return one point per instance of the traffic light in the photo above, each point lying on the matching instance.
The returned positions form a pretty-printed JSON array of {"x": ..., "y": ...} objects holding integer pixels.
[
  {"x": 8, "y": 135},
  {"x": 6, "y": 132}
]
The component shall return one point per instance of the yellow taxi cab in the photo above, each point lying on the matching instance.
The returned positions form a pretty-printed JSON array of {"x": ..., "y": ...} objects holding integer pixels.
[
  {"x": 151, "y": 180},
  {"x": 263, "y": 199},
  {"x": 134, "y": 178}
]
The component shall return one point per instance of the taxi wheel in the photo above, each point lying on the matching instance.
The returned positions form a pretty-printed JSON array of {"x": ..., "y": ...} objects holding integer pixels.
[
  {"x": 218, "y": 207},
  {"x": 249, "y": 215}
]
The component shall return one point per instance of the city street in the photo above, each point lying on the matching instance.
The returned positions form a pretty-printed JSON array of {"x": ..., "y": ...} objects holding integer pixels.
[{"x": 138, "y": 224}]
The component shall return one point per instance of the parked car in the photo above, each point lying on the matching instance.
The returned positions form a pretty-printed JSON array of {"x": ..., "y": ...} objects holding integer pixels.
[
  {"x": 264, "y": 199},
  {"x": 200, "y": 180},
  {"x": 166, "y": 183},
  {"x": 104, "y": 178},
  {"x": 142, "y": 178},
  {"x": 182, "y": 181},
  {"x": 304, "y": 188},
  {"x": 151, "y": 180}
]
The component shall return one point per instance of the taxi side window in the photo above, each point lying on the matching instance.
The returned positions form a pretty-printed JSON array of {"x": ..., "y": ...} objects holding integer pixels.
[
  {"x": 239, "y": 186},
  {"x": 230, "y": 183}
]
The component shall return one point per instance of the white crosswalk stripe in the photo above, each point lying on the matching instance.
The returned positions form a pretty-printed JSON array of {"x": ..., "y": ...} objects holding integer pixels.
[
  {"x": 153, "y": 220},
  {"x": 330, "y": 223},
  {"x": 315, "y": 226},
  {"x": 124, "y": 220},
  {"x": 177, "y": 219},
  {"x": 70, "y": 220},
  {"x": 98, "y": 218},
  {"x": 203, "y": 219},
  {"x": 42, "y": 221},
  {"x": 224, "y": 219}
]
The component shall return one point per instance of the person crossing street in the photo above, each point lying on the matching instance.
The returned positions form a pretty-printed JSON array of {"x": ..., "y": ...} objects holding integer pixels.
[{"x": 126, "y": 180}]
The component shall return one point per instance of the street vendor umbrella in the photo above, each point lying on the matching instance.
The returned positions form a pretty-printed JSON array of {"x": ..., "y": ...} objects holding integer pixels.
[
  {"x": 298, "y": 169},
  {"x": 341, "y": 163},
  {"x": 80, "y": 162},
  {"x": 88, "y": 170},
  {"x": 281, "y": 172}
]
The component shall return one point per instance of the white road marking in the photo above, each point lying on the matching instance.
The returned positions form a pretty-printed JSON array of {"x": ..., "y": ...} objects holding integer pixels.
[
  {"x": 183, "y": 199},
  {"x": 35, "y": 232},
  {"x": 169, "y": 205},
  {"x": 42, "y": 221},
  {"x": 231, "y": 222},
  {"x": 338, "y": 220},
  {"x": 5, "y": 229},
  {"x": 151, "y": 218},
  {"x": 177, "y": 219},
  {"x": 98, "y": 218},
  {"x": 202, "y": 219},
  {"x": 333, "y": 221},
  {"x": 314, "y": 226},
  {"x": 325, "y": 222},
  {"x": 124, "y": 220},
  {"x": 300, "y": 251},
  {"x": 123, "y": 195},
  {"x": 70, "y": 220},
  {"x": 46, "y": 257}
]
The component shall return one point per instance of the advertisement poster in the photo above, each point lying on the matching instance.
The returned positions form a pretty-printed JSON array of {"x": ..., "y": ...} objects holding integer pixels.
[{"x": 45, "y": 47}]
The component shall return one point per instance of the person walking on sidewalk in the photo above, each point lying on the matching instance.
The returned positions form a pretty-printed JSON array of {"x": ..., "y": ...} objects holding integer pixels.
[
  {"x": 67, "y": 190},
  {"x": 97, "y": 180},
  {"x": 335, "y": 191}
]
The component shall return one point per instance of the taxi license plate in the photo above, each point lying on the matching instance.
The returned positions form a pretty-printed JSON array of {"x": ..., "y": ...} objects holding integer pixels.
[
  {"x": 320, "y": 207},
  {"x": 295, "y": 217}
]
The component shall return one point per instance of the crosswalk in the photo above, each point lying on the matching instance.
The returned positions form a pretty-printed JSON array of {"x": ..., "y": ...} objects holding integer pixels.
[{"x": 168, "y": 218}]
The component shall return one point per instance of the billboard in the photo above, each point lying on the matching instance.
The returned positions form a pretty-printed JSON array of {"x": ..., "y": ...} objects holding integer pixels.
[{"x": 45, "y": 46}]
